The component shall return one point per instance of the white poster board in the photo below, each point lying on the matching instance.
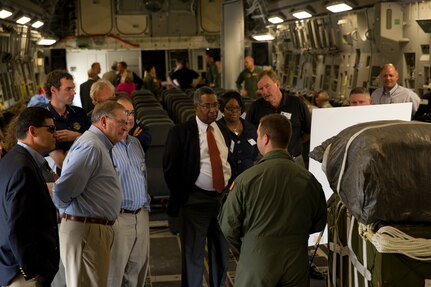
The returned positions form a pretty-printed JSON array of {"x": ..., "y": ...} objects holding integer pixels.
[{"x": 329, "y": 122}]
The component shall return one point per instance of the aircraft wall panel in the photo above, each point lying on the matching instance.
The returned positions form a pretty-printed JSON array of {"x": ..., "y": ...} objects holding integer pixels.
[
  {"x": 210, "y": 15},
  {"x": 391, "y": 21},
  {"x": 159, "y": 24},
  {"x": 100, "y": 25},
  {"x": 132, "y": 24},
  {"x": 130, "y": 6},
  {"x": 174, "y": 23},
  {"x": 182, "y": 24},
  {"x": 181, "y": 5}
]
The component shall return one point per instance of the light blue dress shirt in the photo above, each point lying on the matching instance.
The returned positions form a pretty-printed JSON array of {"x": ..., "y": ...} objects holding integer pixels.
[
  {"x": 129, "y": 160},
  {"x": 89, "y": 185},
  {"x": 398, "y": 94}
]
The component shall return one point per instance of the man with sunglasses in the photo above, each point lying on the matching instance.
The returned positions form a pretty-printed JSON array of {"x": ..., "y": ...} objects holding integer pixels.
[
  {"x": 190, "y": 172},
  {"x": 29, "y": 247},
  {"x": 88, "y": 196},
  {"x": 71, "y": 121}
]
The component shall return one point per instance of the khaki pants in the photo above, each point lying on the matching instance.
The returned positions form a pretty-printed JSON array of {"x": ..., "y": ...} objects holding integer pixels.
[
  {"x": 85, "y": 251},
  {"x": 19, "y": 281},
  {"x": 130, "y": 251}
]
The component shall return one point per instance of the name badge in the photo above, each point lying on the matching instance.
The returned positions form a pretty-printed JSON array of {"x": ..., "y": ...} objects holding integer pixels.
[
  {"x": 287, "y": 115},
  {"x": 252, "y": 142}
]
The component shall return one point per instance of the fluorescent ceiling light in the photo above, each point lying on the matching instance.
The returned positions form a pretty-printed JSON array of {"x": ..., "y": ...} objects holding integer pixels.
[
  {"x": 46, "y": 42},
  {"x": 275, "y": 20},
  {"x": 338, "y": 7},
  {"x": 23, "y": 20},
  {"x": 4, "y": 13},
  {"x": 37, "y": 24},
  {"x": 301, "y": 14},
  {"x": 263, "y": 37}
]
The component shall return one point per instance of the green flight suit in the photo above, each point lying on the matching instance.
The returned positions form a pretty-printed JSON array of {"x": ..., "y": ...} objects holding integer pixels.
[
  {"x": 211, "y": 75},
  {"x": 152, "y": 84},
  {"x": 249, "y": 78},
  {"x": 268, "y": 215}
]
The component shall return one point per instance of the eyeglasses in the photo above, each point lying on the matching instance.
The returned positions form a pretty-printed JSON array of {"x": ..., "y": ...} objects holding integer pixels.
[
  {"x": 130, "y": 113},
  {"x": 232, "y": 108},
  {"x": 51, "y": 128},
  {"x": 120, "y": 122},
  {"x": 208, "y": 106}
]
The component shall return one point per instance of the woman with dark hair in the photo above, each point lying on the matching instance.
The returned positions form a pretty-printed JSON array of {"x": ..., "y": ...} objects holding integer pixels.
[{"x": 242, "y": 134}]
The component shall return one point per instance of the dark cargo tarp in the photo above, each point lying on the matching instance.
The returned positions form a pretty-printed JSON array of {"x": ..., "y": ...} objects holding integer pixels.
[{"x": 381, "y": 170}]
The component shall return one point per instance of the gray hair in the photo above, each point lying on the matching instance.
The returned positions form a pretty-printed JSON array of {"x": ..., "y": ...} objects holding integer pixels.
[
  {"x": 105, "y": 109},
  {"x": 200, "y": 92},
  {"x": 270, "y": 73},
  {"x": 98, "y": 86}
]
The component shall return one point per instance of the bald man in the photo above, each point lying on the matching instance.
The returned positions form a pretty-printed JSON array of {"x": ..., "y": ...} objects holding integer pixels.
[{"x": 391, "y": 92}]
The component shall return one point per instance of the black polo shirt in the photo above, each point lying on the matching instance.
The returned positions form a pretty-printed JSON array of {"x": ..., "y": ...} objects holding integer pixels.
[
  {"x": 291, "y": 106},
  {"x": 76, "y": 120}
]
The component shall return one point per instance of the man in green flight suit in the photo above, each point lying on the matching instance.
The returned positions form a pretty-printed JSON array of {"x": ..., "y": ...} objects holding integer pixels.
[
  {"x": 151, "y": 82},
  {"x": 249, "y": 76},
  {"x": 211, "y": 73},
  {"x": 271, "y": 210}
]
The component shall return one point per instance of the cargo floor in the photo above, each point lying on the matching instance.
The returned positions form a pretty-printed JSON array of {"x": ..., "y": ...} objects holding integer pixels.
[{"x": 165, "y": 257}]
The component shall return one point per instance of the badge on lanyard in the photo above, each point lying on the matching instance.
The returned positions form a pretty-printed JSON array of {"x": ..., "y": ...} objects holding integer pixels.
[{"x": 232, "y": 146}]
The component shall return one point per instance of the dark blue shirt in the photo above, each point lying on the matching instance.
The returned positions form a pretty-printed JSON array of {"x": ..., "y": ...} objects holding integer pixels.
[
  {"x": 243, "y": 147},
  {"x": 76, "y": 120}
]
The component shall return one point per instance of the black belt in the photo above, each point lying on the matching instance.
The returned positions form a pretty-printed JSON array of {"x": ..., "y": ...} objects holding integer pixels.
[
  {"x": 87, "y": 219},
  {"x": 123, "y": 210},
  {"x": 212, "y": 193}
]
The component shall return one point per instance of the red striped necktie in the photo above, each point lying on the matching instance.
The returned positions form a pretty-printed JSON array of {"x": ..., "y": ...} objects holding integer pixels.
[{"x": 216, "y": 165}]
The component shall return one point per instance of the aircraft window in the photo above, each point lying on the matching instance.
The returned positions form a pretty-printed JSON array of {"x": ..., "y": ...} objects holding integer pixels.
[{"x": 389, "y": 19}]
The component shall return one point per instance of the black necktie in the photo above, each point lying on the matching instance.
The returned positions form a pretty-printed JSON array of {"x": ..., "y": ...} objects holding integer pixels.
[{"x": 47, "y": 173}]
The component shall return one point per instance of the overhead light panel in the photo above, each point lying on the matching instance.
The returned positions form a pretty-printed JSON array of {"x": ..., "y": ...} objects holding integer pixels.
[
  {"x": 301, "y": 14},
  {"x": 46, "y": 41},
  {"x": 23, "y": 20},
  {"x": 4, "y": 13},
  {"x": 264, "y": 37},
  {"x": 275, "y": 19},
  {"x": 339, "y": 7},
  {"x": 37, "y": 24}
]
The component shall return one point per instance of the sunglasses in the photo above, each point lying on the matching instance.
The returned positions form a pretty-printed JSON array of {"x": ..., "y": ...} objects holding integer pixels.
[{"x": 51, "y": 128}]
